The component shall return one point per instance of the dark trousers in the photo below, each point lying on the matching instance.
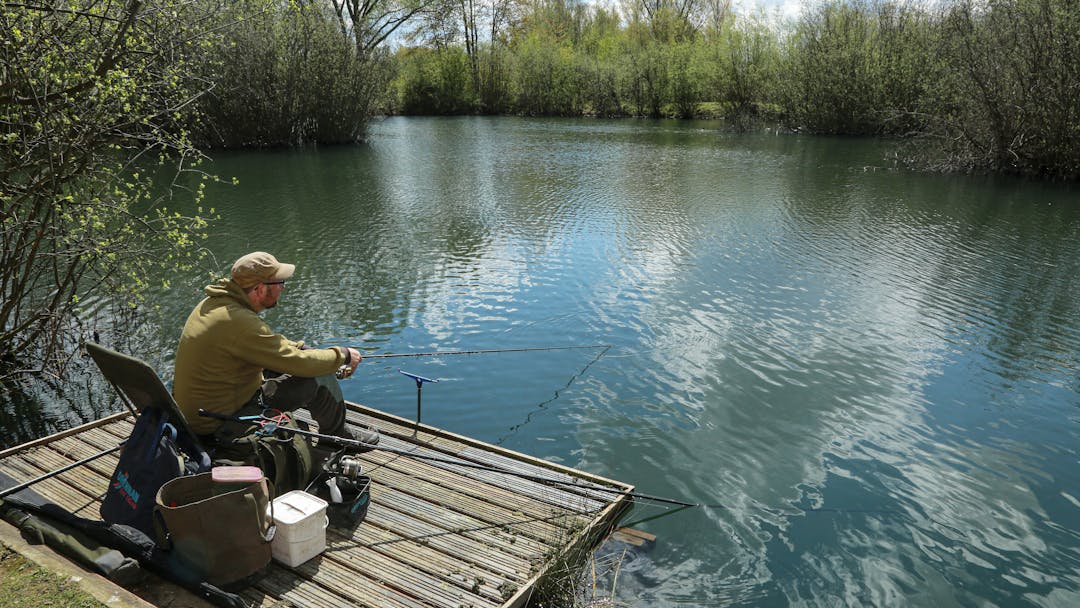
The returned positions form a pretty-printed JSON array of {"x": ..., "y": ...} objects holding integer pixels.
[{"x": 321, "y": 396}]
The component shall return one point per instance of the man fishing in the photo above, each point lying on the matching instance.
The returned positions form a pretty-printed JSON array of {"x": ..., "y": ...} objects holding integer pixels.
[{"x": 230, "y": 362}]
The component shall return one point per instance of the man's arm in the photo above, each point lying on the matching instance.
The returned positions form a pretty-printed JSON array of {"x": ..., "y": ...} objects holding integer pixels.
[{"x": 257, "y": 344}]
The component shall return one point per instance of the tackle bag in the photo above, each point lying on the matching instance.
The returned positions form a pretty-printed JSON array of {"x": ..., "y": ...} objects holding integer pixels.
[
  {"x": 347, "y": 507},
  {"x": 286, "y": 458},
  {"x": 219, "y": 532},
  {"x": 152, "y": 455}
]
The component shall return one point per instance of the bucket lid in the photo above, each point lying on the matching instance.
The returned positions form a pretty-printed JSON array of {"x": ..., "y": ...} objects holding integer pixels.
[
  {"x": 241, "y": 474},
  {"x": 296, "y": 506}
]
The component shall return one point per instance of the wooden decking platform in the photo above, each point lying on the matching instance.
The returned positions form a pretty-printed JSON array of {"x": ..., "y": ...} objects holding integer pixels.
[{"x": 436, "y": 535}]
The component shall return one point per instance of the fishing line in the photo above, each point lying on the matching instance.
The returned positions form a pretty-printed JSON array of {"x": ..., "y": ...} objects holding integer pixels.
[
  {"x": 682, "y": 506},
  {"x": 667, "y": 511},
  {"x": 543, "y": 404}
]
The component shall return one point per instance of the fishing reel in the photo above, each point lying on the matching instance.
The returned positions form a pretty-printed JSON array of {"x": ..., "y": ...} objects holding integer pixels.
[
  {"x": 350, "y": 467},
  {"x": 345, "y": 466},
  {"x": 346, "y": 490}
]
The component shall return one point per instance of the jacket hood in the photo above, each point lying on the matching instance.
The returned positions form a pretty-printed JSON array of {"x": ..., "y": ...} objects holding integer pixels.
[{"x": 228, "y": 289}]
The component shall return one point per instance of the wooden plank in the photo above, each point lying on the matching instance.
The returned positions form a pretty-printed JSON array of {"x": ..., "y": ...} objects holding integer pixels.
[
  {"x": 467, "y": 550},
  {"x": 491, "y": 537},
  {"x": 405, "y": 577},
  {"x": 82, "y": 478},
  {"x": 492, "y": 504},
  {"x": 397, "y": 433},
  {"x": 288, "y": 586},
  {"x": 341, "y": 585},
  {"x": 256, "y": 598},
  {"x": 53, "y": 489},
  {"x": 577, "y": 487},
  {"x": 446, "y": 496},
  {"x": 72, "y": 431},
  {"x": 471, "y": 548},
  {"x": 634, "y": 537},
  {"x": 488, "y": 456},
  {"x": 76, "y": 449},
  {"x": 532, "y": 489},
  {"x": 118, "y": 431},
  {"x": 68, "y": 484},
  {"x": 424, "y": 557}
]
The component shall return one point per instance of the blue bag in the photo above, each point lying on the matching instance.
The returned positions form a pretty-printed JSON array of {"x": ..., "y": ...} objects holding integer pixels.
[{"x": 153, "y": 455}]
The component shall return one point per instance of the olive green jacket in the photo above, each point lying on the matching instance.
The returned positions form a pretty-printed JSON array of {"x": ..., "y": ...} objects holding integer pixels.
[{"x": 223, "y": 350}]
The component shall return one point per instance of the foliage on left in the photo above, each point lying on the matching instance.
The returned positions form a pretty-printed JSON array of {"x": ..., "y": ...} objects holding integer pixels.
[{"x": 95, "y": 99}]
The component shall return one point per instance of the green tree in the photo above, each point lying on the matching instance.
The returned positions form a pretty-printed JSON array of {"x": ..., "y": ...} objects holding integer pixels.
[
  {"x": 672, "y": 20},
  {"x": 832, "y": 84},
  {"x": 547, "y": 81},
  {"x": 433, "y": 81},
  {"x": 686, "y": 65},
  {"x": 751, "y": 61},
  {"x": 94, "y": 99},
  {"x": 644, "y": 77},
  {"x": 1014, "y": 76},
  {"x": 285, "y": 74},
  {"x": 596, "y": 57},
  {"x": 482, "y": 26},
  {"x": 912, "y": 74}
]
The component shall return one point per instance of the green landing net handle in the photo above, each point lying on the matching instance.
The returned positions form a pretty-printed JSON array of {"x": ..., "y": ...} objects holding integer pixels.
[{"x": 420, "y": 380}]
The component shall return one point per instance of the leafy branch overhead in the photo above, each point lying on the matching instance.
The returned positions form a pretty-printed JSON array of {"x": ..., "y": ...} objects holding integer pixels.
[{"x": 94, "y": 101}]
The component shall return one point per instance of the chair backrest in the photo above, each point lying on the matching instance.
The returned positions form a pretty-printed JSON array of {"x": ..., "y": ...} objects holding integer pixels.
[{"x": 139, "y": 383}]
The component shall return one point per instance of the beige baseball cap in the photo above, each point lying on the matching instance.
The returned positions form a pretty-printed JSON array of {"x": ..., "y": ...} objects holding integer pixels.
[{"x": 259, "y": 267}]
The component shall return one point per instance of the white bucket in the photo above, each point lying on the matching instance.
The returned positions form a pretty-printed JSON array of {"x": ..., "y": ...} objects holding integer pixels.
[{"x": 301, "y": 527}]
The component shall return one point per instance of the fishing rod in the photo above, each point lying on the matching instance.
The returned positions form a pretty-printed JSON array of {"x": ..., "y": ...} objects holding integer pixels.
[
  {"x": 269, "y": 425},
  {"x": 67, "y": 467},
  {"x": 482, "y": 352},
  {"x": 344, "y": 372}
]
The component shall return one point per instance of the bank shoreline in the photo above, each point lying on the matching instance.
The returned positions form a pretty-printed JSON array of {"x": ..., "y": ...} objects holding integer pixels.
[{"x": 92, "y": 589}]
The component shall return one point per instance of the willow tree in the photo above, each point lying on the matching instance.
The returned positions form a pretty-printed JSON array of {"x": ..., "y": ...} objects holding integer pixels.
[
  {"x": 833, "y": 83},
  {"x": 286, "y": 74},
  {"x": 94, "y": 97},
  {"x": 1014, "y": 69}
]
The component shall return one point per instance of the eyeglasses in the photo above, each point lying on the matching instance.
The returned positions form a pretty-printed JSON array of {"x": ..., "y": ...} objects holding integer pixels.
[{"x": 275, "y": 283}]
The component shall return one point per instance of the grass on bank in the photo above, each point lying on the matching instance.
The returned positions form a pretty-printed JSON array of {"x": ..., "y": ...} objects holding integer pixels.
[{"x": 24, "y": 584}]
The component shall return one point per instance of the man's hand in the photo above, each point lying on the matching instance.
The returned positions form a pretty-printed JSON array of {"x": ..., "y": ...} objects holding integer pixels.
[{"x": 353, "y": 359}]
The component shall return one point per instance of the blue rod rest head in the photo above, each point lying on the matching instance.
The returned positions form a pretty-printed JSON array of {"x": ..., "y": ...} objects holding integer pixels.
[{"x": 419, "y": 379}]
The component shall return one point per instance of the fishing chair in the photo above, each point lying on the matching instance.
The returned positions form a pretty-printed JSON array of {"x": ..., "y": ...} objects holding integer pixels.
[{"x": 140, "y": 387}]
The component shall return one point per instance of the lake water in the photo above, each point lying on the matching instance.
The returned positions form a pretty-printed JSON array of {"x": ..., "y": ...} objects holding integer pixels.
[{"x": 871, "y": 377}]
